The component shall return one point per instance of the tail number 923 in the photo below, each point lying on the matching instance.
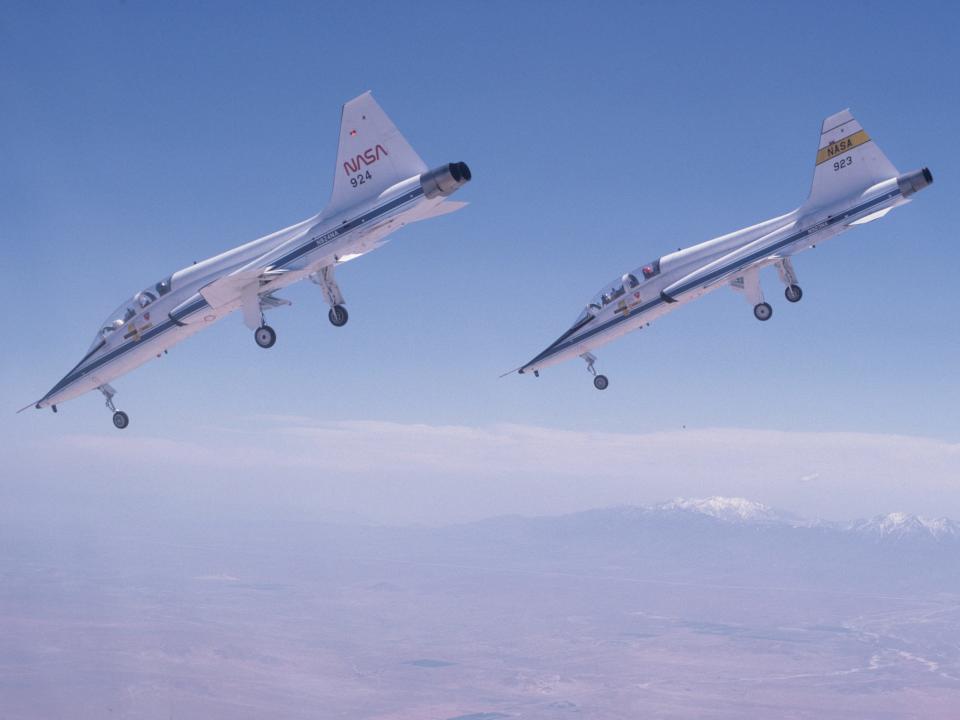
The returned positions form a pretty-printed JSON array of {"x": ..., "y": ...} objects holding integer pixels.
[
  {"x": 842, "y": 163},
  {"x": 361, "y": 179}
]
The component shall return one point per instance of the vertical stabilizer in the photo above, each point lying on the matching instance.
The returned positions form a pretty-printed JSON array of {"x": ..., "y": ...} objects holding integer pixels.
[
  {"x": 372, "y": 155},
  {"x": 848, "y": 161}
]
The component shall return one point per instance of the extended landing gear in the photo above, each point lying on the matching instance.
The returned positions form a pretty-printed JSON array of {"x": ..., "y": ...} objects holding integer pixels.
[
  {"x": 253, "y": 305},
  {"x": 600, "y": 382},
  {"x": 338, "y": 316},
  {"x": 762, "y": 311},
  {"x": 788, "y": 277},
  {"x": 120, "y": 418},
  {"x": 265, "y": 336},
  {"x": 331, "y": 293},
  {"x": 749, "y": 285}
]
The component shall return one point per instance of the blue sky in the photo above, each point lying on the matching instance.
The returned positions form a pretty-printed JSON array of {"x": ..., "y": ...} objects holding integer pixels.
[{"x": 137, "y": 138}]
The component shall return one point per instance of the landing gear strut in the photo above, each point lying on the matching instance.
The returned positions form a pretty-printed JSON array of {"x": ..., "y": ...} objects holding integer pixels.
[
  {"x": 788, "y": 277},
  {"x": 253, "y": 305},
  {"x": 331, "y": 293},
  {"x": 600, "y": 382},
  {"x": 120, "y": 418},
  {"x": 748, "y": 285}
]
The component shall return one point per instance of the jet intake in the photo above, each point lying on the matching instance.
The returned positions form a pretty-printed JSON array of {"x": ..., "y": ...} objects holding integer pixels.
[
  {"x": 914, "y": 181},
  {"x": 444, "y": 180}
]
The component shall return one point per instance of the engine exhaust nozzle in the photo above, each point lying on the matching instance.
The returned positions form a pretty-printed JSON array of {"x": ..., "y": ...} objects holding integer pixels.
[
  {"x": 445, "y": 180},
  {"x": 914, "y": 181}
]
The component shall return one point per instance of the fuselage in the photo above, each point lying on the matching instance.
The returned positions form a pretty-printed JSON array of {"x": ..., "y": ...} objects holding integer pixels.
[
  {"x": 663, "y": 285},
  {"x": 168, "y": 312}
]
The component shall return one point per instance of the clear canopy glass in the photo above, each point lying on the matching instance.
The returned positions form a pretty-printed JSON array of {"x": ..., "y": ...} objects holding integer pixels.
[
  {"x": 128, "y": 310},
  {"x": 614, "y": 290}
]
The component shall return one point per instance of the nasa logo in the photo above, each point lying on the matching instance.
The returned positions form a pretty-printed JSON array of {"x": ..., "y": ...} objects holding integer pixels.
[
  {"x": 838, "y": 146},
  {"x": 367, "y": 157}
]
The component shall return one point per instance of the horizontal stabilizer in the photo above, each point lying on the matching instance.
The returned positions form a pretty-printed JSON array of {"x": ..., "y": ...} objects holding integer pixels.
[{"x": 444, "y": 208}]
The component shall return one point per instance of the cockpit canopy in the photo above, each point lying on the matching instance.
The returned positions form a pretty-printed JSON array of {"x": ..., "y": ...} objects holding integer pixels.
[
  {"x": 613, "y": 291},
  {"x": 129, "y": 310}
]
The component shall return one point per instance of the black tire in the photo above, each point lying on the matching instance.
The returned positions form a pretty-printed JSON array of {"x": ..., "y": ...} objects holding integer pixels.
[
  {"x": 120, "y": 419},
  {"x": 265, "y": 336},
  {"x": 338, "y": 316},
  {"x": 793, "y": 293},
  {"x": 600, "y": 382},
  {"x": 762, "y": 311}
]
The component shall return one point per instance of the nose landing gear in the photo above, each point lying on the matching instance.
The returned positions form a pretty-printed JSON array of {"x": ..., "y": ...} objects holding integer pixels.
[
  {"x": 600, "y": 382},
  {"x": 120, "y": 418}
]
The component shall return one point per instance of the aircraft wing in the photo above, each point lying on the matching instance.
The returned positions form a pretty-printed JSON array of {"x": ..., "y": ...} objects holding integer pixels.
[
  {"x": 228, "y": 288},
  {"x": 754, "y": 254}
]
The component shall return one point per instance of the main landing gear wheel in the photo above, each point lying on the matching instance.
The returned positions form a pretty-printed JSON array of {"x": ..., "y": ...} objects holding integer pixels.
[
  {"x": 793, "y": 293},
  {"x": 762, "y": 311},
  {"x": 338, "y": 316},
  {"x": 600, "y": 382},
  {"x": 265, "y": 336},
  {"x": 120, "y": 419}
]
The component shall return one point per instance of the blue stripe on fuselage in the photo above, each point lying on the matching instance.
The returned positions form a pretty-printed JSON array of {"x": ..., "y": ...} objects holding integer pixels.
[{"x": 344, "y": 228}]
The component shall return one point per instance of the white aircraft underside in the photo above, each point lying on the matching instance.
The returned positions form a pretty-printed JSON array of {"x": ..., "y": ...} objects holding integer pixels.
[
  {"x": 853, "y": 184},
  {"x": 380, "y": 185}
]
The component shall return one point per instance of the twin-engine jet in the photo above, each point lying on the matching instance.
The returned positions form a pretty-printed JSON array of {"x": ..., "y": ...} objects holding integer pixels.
[
  {"x": 853, "y": 183},
  {"x": 380, "y": 185}
]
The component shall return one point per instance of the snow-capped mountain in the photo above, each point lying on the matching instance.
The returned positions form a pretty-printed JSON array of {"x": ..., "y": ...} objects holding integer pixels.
[
  {"x": 743, "y": 512},
  {"x": 732, "y": 510},
  {"x": 900, "y": 525}
]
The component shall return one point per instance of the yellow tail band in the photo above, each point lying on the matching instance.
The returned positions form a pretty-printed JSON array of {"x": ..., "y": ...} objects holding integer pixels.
[{"x": 838, "y": 147}]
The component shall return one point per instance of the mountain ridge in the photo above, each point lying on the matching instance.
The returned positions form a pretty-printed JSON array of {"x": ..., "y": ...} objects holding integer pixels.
[{"x": 744, "y": 513}]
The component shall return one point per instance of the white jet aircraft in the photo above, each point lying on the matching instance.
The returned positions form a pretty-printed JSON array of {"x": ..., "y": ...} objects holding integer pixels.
[
  {"x": 380, "y": 184},
  {"x": 853, "y": 183}
]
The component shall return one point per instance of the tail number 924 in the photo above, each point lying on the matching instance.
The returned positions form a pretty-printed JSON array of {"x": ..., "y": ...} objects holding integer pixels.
[{"x": 358, "y": 180}]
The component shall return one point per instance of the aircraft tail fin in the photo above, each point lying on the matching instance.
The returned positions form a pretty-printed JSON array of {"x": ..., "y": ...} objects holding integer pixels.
[
  {"x": 848, "y": 161},
  {"x": 372, "y": 155}
]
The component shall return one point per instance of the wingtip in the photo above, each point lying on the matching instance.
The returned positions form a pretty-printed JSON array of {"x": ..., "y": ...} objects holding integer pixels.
[{"x": 27, "y": 407}]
